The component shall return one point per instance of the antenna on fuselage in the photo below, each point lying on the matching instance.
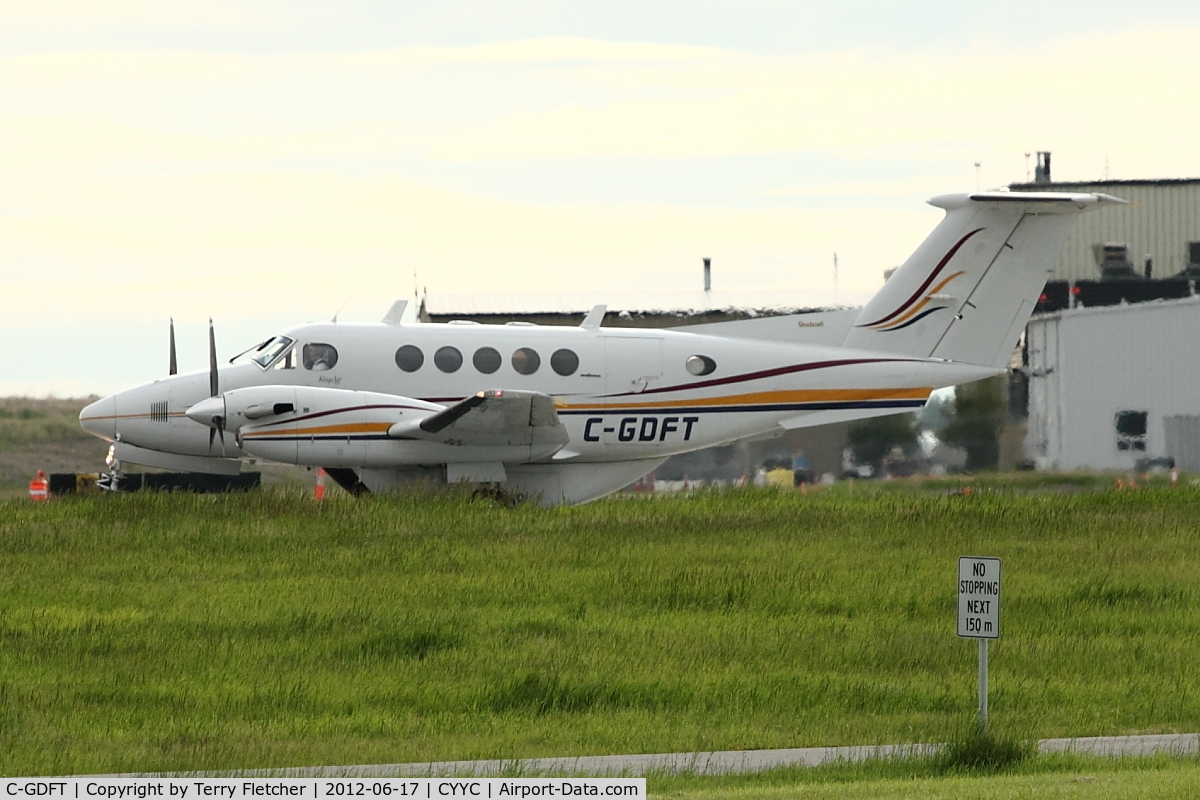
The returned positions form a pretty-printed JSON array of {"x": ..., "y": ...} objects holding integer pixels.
[
  {"x": 594, "y": 317},
  {"x": 343, "y": 305},
  {"x": 402, "y": 312}
]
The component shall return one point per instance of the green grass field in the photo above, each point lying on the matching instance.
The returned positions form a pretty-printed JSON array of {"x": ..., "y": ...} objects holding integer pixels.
[
  {"x": 171, "y": 632},
  {"x": 43, "y": 434}
]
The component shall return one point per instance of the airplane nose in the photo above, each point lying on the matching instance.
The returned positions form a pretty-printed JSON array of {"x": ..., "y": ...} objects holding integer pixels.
[
  {"x": 207, "y": 411},
  {"x": 100, "y": 418}
]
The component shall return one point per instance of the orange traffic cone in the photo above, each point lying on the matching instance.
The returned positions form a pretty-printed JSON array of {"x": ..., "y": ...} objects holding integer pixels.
[
  {"x": 319, "y": 492},
  {"x": 39, "y": 490}
]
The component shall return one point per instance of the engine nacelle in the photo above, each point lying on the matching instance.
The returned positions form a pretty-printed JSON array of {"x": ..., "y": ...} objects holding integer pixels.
[{"x": 280, "y": 422}]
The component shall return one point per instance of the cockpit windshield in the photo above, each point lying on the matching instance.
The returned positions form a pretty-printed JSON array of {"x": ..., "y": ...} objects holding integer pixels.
[{"x": 265, "y": 353}]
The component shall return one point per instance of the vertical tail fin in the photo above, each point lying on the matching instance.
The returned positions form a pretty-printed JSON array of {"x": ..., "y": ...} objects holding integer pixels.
[{"x": 968, "y": 290}]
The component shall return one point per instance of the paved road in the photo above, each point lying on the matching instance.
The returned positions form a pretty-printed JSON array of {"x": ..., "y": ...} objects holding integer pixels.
[{"x": 714, "y": 763}]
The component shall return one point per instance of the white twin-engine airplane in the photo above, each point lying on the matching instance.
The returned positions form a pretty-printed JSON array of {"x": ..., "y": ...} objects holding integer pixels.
[{"x": 568, "y": 415}]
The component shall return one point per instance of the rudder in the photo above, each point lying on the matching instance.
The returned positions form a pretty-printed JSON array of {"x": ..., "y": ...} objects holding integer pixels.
[{"x": 969, "y": 288}]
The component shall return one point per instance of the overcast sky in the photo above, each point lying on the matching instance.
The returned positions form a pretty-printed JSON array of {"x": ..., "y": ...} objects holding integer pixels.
[{"x": 267, "y": 163}]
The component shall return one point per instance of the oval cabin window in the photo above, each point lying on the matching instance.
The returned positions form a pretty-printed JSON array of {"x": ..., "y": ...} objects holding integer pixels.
[
  {"x": 526, "y": 361},
  {"x": 564, "y": 362},
  {"x": 487, "y": 360},
  {"x": 409, "y": 358},
  {"x": 448, "y": 359},
  {"x": 700, "y": 365}
]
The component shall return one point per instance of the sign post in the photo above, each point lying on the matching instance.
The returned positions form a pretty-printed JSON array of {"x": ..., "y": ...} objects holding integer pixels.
[{"x": 979, "y": 613}]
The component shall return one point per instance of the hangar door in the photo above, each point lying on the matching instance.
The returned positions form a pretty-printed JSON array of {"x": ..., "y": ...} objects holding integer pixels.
[{"x": 1182, "y": 434}]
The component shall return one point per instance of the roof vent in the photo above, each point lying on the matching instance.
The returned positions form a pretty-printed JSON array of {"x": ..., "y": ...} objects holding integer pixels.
[
  {"x": 1192, "y": 270},
  {"x": 1041, "y": 173},
  {"x": 1113, "y": 260}
]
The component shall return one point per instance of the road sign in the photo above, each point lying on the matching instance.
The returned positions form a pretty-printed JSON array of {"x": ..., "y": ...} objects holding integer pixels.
[{"x": 978, "y": 598}]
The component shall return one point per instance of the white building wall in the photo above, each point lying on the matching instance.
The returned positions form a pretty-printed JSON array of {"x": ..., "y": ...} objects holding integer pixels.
[
  {"x": 1162, "y": 217},
  {"x": 1087, "y": 365}
]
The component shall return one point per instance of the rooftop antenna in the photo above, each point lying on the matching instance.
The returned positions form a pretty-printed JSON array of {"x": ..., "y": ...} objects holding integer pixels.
[
  {"x": 1027, "y": 166},
  {"x": 1041, "y": 173},
  {"x": 977, "y": 163}
]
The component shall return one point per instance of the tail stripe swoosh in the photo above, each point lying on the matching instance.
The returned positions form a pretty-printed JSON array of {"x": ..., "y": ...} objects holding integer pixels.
[
  {"x": 917, "y": 318},
  {"x": 941, "y": 264},
  {"x": 896, "y": 323}
]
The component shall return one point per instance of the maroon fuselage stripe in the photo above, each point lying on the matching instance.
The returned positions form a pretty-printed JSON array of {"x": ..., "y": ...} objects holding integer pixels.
[
  {"x": 318, "y": 414},
  {"x": 941, "y": 264},
  {"x": 766, "y": 373}
]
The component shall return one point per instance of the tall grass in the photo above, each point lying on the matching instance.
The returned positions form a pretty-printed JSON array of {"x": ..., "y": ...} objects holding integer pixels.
[
  {"x": 148, "y": 632},
  {"x": 27, "y": 421}
]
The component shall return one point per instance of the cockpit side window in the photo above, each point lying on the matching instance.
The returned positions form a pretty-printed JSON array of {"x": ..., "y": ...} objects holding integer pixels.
[
  {"x": 265, "y": 353},
  {"x": 318, "y": 357}
]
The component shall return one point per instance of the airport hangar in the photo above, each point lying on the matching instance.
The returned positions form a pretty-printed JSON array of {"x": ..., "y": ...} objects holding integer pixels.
[{"x": 1106, "y": 378}]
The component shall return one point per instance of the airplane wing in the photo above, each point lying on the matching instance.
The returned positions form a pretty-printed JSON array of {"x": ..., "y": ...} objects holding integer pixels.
[{"x": 497, "y": 418}]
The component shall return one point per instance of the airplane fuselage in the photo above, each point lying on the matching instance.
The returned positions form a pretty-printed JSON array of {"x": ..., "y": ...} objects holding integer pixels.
[{"x": 622, "y": 394}]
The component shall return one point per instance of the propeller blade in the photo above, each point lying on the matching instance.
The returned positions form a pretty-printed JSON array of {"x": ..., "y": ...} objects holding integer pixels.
[
  {"x": 211, "y": 412},
  {"x": 174, "y": 363},
  {"x": 217, "y": 429},
  {"x": 213, "y": 386}
]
